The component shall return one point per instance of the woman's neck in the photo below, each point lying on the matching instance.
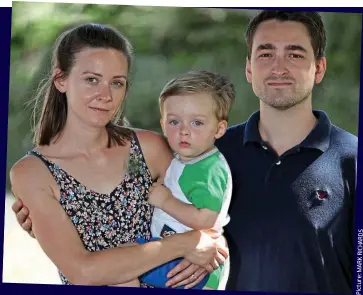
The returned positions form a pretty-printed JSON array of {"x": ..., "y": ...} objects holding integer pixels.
[{"x": 79, "y": 138}]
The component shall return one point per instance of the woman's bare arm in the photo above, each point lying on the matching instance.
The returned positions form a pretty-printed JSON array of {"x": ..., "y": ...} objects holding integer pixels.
[
  {"x": 82, "y": 267},
  {"x": 59, "y": 239},
  {"x": 157, "y": 155}
]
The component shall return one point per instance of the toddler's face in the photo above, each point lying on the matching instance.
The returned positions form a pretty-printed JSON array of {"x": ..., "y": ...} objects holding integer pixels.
[{"x": 189, "y": 122}]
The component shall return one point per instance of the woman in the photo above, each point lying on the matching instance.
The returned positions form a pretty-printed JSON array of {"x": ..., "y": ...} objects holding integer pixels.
[{"x": 86, "y": 183}]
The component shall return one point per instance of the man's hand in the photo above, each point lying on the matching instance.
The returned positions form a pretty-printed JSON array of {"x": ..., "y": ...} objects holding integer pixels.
[
  {"x": 186, "y": 274},
  {"x": 22, "y": 216},
  {"x": 189, "y": 274}
]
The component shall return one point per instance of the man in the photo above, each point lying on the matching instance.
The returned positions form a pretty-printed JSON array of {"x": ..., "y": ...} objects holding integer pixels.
[
  {"x": 294, "y": 173},
  {"x": 291, "y": 227}
]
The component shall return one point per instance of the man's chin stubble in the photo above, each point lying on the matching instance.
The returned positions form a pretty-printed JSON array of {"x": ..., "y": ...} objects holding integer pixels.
[{"x": 283, "y": 107}]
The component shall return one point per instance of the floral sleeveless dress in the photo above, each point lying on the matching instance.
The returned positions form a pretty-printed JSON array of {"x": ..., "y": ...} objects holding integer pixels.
[{"x": 107, "y": 220}]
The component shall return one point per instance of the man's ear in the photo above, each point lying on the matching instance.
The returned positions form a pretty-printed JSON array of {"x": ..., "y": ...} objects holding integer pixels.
[
  {"x": 320, "y": 69},
  {"x": 248, "y": 70}
]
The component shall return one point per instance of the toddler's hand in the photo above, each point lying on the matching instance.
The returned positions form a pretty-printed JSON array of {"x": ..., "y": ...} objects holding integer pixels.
[{"x": 158, "y": 194}]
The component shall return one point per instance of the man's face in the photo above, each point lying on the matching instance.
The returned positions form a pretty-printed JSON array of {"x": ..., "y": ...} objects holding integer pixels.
[{"x": 282, "y": 68}]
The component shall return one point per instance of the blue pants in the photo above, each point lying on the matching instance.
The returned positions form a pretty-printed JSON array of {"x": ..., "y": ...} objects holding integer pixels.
[{"x": 157, "y": 277}]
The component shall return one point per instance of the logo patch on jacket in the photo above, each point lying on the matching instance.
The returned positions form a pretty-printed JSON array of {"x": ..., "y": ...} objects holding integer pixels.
[
  {"x": 318, "y": 197},
  {"x": 167, "y": 231}
]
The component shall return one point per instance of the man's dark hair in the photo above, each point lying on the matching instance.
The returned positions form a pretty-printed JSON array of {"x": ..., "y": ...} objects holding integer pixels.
[{"x": 312, "y": 21}]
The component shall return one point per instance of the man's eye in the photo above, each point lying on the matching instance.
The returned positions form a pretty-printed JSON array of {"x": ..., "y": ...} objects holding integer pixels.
[
  {"x": 294, "y": 55},
  {"x": 265, "y": 55}
]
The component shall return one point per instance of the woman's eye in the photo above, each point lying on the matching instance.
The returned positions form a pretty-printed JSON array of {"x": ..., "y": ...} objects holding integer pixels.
[
  {"x": 118, "y": 83},
  {"x": 91, "y": 80}
]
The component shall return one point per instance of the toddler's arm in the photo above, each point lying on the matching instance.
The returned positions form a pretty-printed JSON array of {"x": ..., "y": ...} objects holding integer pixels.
[{"x": 189, "y": 215}]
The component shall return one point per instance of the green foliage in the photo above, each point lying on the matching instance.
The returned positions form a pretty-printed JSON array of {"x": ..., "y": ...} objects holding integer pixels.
[{"x": 168, "y": 41}]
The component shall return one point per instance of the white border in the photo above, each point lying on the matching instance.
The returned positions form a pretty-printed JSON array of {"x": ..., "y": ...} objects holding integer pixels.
[{"x": 5, "y": 3}]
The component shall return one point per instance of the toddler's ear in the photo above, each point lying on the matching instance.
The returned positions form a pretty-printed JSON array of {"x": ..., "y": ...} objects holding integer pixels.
[
  {"x": 221, "y": 129},
  {"x": 162, "y": 126}
]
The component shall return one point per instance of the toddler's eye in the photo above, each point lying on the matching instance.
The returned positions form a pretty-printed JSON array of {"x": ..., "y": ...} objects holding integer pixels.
[
  {"x": 173, "y": 122},
  {"x": 197, "y": 123}
]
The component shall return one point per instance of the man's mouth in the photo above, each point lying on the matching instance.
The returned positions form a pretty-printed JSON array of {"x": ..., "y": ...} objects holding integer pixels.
[{"x": 279, "y": 83}]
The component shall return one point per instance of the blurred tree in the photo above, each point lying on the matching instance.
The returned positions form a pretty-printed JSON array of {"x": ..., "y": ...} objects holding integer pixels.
[{"x": 168, "y": 41}]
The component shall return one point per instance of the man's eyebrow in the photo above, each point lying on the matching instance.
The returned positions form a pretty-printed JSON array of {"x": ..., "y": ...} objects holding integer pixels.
[
  {"x": 269, "y": 46},
  {"x": 295, "y": 47},
  {"x": 265, "y": 46}
]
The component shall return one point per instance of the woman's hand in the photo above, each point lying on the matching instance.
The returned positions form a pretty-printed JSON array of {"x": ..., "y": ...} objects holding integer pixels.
[{"x": 210, "y": 251}]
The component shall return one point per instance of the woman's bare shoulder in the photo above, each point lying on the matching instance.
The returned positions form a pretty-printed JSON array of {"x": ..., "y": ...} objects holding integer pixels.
[
  {"x": 151, "y": 138},
  {"x": 29, "y": 172},
  {"x": 143, "y": 132},
  {"x": 26, "y": 166},
  {"x": 156, "y": 150}
]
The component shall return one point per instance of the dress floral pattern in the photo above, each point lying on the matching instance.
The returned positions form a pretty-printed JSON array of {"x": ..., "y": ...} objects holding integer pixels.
[{"x": 107, "y": 220}]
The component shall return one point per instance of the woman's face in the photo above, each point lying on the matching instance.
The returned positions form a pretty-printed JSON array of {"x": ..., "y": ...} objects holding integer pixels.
[{"x": 95, "y": 86}]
